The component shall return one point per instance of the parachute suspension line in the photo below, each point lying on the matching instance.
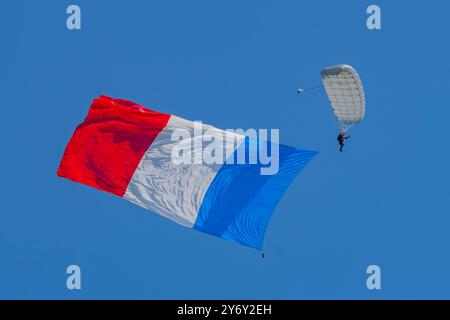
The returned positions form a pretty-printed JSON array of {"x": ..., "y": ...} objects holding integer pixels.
[
  {"x": 303, "y": 90},
  {"x": 344, "y": 127}
]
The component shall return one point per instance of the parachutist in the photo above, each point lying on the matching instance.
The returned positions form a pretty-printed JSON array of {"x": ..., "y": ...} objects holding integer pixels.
[
  {"x": 341, "y": 138},
  {"x": 263, "y": 255},
  {"x": 300, "y": 90}
]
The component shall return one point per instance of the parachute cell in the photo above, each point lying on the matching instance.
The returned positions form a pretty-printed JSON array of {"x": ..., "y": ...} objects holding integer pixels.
[{"x": 346, "y": 94}]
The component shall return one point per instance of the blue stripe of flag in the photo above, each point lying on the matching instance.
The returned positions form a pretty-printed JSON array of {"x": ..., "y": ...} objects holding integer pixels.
[{"x": 240, "y": 201}]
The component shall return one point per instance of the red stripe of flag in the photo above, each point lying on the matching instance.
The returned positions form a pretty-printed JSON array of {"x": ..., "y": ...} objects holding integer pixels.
[{"x": 107, "y": 147}]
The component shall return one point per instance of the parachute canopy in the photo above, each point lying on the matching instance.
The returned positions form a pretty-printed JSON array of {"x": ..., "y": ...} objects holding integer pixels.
[{"x": 346, "y": 94}]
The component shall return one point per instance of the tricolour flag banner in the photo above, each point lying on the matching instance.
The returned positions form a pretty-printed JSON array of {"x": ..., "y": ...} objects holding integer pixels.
[{"x": 150, "y": 159}]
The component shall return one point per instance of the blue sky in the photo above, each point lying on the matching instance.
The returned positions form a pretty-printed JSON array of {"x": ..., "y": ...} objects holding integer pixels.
[{"x": 232, "y": 64}]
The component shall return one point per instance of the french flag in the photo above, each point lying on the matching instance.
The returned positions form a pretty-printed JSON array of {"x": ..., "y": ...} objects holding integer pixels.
[{"x": 125, "y": 149}]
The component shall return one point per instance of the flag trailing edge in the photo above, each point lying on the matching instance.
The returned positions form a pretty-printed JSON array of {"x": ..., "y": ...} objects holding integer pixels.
[{"x": 126, "y": 149}]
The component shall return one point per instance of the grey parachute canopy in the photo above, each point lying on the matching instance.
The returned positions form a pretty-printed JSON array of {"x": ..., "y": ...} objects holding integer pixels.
[{"x": 346, "y": 94}]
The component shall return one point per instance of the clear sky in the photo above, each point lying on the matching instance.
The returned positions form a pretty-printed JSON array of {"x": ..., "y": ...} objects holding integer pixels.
[{"x": 231, "y": 64}]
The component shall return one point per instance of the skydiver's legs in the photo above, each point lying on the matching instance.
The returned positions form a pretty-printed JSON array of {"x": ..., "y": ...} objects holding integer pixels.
[{"x": 342, "y": 146}]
